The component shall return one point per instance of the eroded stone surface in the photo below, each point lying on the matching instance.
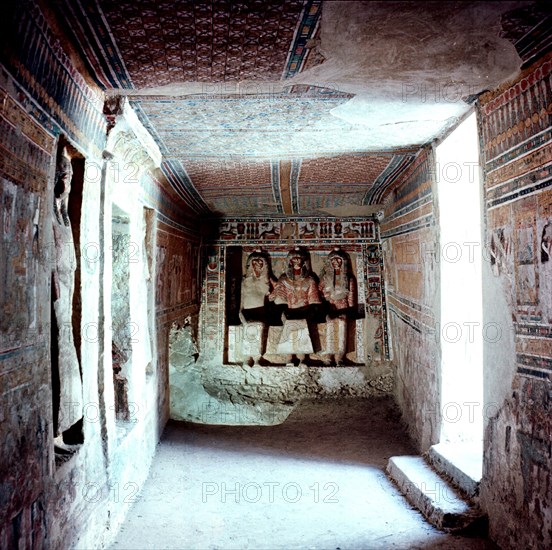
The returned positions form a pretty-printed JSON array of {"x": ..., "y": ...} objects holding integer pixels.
[{"x": 213, "y": 393}]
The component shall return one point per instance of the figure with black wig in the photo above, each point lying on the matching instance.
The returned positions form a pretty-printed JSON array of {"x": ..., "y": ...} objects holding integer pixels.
[
  {"x": 338, "y": 287},
  {"x": 256, "y": 286},
  {"x": 297, "y": 291}
]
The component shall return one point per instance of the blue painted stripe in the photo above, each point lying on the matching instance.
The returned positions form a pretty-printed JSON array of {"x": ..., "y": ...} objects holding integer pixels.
[
  {"x": 397, "y": 165},
  {"x": 294, "y": 184},
  {"x": 275, "y": 181},
  {"x": 99, "y": 42},
  {"x": 182, "y": 184},
  {"x": 306, "y": 29}
]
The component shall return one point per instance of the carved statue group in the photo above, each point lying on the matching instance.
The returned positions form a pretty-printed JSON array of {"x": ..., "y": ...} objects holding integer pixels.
[{"x": 297, "y": 300}]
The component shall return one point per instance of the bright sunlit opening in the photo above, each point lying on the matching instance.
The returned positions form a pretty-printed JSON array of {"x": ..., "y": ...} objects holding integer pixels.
[{"x": 462, "y": 331}]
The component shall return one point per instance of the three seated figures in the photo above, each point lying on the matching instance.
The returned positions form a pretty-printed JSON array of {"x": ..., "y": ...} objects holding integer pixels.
[{"x": 299, "y": 299}]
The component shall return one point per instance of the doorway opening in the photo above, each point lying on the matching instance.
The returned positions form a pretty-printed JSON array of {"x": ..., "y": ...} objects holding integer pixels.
[{"x": 459, "y": 191}]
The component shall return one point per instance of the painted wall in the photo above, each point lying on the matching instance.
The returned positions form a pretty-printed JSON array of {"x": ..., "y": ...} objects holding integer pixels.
[
  {"x": 42, "y": 96},
  {"x": 208, "y": 380},
  {"x": 517, "y": 151},
  {"x": 177, "y": 295},
  {"x": 25, "y": 318},
  {"x": 410, "y": 243},
  {"x": 77, "y": 500}
]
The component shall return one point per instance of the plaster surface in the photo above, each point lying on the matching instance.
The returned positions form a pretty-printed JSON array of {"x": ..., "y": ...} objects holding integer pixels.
[{"x": 410, "y": 66}]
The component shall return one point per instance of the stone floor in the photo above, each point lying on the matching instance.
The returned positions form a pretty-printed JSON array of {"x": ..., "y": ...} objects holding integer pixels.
[{"x": 315, "y": 482}]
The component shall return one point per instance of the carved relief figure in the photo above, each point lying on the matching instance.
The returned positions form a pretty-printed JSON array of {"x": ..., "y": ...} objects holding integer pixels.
[
  {"x": 256, "y": 286},
  {"x": 270, "y": 231},
  {"x": 62, "y": 188},
  {"x": 338, "y": 286},
  {"x": 499, "y": 251},
  {"x": 297, "y": 290},
  {"x": 63, "y": 284}
]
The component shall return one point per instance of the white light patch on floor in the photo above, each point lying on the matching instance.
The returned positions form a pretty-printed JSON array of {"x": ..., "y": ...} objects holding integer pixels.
[{"x": 314, "y": 482}]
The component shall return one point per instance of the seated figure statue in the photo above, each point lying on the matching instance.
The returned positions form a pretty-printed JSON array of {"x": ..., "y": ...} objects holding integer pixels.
[
  {"x": 297, "y": 290},
  {"x": 256, "y": 285},
  {"x": 338, "y": 286}
]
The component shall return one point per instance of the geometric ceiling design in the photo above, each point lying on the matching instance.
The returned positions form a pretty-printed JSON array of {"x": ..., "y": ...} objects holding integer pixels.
[
  {"x": 248, "y": 185},
  {"x": 348, "y": 180},
  {"x": 134, "y": 44},
  {"x": 215, "y": 41},
  {"x": 300, "y": 186},
  {"x": 221, "y": 87}
]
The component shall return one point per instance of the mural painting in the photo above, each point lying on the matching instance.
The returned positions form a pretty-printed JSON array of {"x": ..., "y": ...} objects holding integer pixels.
[
  {"x": 317, "y": 286},
  {"x": 518, "y": 195},
  {"x": 526, "y": 273},
  {"x": 298, "y": 230}
]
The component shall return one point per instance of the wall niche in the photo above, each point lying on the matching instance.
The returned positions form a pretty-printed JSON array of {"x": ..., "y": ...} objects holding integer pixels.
[
  {"x": 66, "y": 310},
  {"x": 273, "y": 330},
  {"x": 294, "y": 292},
  {"x": 291, "y": 307}
]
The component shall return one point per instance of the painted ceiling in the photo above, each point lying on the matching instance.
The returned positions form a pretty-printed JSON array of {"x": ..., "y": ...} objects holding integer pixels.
[{"x": 295, "y": 106}]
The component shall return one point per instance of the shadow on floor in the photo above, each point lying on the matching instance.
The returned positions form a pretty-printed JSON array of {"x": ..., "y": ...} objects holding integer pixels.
[
  {"x": 371, "y": 428},
  {"x": 314, "y": 482}
]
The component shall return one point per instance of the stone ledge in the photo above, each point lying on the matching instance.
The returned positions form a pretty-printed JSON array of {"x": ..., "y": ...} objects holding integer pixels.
[
  {"x": 433, "y": 496},
  {"x": 460, "y": 463}
]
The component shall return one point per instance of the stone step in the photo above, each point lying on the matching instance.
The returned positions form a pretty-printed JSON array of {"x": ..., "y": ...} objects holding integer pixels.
[
  {"x": 434, "y": 497},
  {"x": 461, "y": 463}
]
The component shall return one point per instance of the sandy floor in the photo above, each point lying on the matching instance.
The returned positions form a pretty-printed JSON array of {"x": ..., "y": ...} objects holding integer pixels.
[{"x": 315, "y": 482}]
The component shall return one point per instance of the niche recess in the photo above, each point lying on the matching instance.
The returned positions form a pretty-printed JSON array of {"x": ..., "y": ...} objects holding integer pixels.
[
  {"x": 121, "y": 326},
  {"x": 149, "y": 270},
  {"x": 235, "y": 268},
  {"x": 66, "y": 305}
]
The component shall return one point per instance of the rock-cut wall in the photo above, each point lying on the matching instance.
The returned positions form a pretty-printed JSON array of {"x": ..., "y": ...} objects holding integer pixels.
[
  {"x": 410, "y": 242},
  {"x": 227, "y": 387},
  {"x": 516, "y": 140}
]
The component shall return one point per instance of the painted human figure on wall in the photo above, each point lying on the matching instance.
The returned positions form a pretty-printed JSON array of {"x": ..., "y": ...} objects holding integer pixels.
[
  {"x": 297, "y": 290},
  {"x": 338, "y": 286},
  {"x": 256, "y": 286},
  {"x": 64, "y": 354}
]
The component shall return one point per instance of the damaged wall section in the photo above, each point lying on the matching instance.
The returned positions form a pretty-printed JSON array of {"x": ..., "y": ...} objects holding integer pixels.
[{"x": 410, "y": 242}]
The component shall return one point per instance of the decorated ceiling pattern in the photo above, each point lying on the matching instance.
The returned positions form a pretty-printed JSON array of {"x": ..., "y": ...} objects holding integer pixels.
[
  {"x": 265, "y": 150},
  {"x": 248, "y": 184},
  {"x": 252, "y": 127},
  {"x": 173, "y": 41}
]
